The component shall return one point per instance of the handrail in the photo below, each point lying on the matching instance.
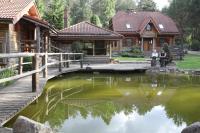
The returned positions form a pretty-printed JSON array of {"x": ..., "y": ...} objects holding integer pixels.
[
  {"x": 64, "y": 60},
  {"x": 56, "y": 48}
]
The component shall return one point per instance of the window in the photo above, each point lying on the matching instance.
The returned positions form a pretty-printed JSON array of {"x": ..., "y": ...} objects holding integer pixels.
[
  {"x": 128, "y": 26},
  {"x": 148, "y": 28},
  {"x": 161, "y": 26},
  {"x": 129, "y": 42}
]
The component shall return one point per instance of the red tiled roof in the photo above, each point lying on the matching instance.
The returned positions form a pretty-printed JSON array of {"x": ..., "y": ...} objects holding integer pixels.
[
  {"x": 137, "y": 21},
  {"x": 11, "y": 9},
  {"x": 86, "y": 29}
]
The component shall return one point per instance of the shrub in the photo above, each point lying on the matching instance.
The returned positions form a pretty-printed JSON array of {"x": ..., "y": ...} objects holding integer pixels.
[
  {"x": 134, "y": 52},
  {"x": 6, "y": 74},
  {"x": 27, "y": 67},
  {"x": 167, "y": 51},
  {"x": 195, "y": 45}
]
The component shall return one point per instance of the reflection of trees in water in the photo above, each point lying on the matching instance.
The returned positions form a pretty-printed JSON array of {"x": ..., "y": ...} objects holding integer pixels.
[{"x": 105, "y": 97}]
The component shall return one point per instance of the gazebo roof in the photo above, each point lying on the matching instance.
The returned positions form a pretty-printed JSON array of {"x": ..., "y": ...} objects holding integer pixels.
[{"x": 86, "y": 30}]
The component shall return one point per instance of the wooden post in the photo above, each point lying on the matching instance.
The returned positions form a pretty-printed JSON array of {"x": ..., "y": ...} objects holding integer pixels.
[
  {"x": 20, "y": 68},
  {"x": 38, "y": 39},
  {"x": 60, "y": 62},
  {"x": 142, "y": 44},
  {"x": 154, "y": 44},
  {"x": 67, "y": 60},
  {"x": 44, "y": 63},
  {"x": 93, "y": 49},
  {"x": 81, "y": 61},
  {"x": 35, "y": 76},
  {"x": 110, "y": 50}
]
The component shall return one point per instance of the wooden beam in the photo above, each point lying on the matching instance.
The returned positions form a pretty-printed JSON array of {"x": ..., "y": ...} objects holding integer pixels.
[
  {"x": 142, "y": 44},
  {"x": 60, "y": 63},
  {"x": 38, "y": 39},
  {"x": 35, "y": 76},
  {"x": 20, "y": 67}
]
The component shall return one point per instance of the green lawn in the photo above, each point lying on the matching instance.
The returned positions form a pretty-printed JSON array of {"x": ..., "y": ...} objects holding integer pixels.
[
  {"x": 189, "y": 62},
  {"x": 129, "y": 59}
]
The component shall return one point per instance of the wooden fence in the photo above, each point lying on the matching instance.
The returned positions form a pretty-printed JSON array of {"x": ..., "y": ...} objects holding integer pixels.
[{"x": 39, "y": 64}]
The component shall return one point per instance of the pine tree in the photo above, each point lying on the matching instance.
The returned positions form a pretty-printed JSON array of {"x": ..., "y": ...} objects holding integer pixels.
[
  {"x": 147, "y": 5},
  {"x": 41, "y": 6},
  {"x": 54, "y": 14},
  {"x": 95, "y": 20}
]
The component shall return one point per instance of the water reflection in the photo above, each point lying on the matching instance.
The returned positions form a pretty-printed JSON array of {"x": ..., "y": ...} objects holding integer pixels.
[{"x": 118, "y": 103}]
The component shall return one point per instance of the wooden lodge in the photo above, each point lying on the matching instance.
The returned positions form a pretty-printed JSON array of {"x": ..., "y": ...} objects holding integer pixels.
[
  {"x": 21, "y": 28},
  {"x": 95, "y": 41},
  {"x": 148, "y": 30}
]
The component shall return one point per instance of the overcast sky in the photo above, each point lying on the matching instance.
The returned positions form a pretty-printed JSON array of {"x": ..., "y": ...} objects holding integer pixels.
[{"x": 161, "y": 3}]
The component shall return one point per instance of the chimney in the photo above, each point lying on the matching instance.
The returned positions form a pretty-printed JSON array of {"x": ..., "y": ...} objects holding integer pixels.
[{"x": 65, "y": 18}]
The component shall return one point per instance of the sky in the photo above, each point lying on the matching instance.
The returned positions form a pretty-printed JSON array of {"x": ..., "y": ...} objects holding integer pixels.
[{"x": 161, "y": 3}]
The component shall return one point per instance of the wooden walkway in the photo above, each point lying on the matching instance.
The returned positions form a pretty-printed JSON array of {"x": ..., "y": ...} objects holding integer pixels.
[{"x": 19, "y": 95}]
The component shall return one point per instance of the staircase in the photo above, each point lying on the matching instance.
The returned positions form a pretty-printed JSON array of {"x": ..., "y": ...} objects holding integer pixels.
[{"x": 98, "y": 59}]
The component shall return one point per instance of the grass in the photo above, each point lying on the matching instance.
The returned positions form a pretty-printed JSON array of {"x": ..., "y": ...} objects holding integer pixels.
[
  {"x": 129, "y": 59},
  {"x": 189, "y": 62}
]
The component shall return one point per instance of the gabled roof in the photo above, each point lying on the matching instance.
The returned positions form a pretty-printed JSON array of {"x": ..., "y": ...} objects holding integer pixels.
[
  {"x": 138, "y": 20},
  {"x": 87, "y": 30},
  {"x": 13, "y": 10}
]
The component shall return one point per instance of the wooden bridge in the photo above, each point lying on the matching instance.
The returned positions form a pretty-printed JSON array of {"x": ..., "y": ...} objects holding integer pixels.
[{"x": 28, "y": 86}]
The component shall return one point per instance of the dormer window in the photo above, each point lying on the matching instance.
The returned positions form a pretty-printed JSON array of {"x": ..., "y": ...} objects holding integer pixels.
[
  {"x": 148, "y": 28},
  {"x": 128, "y": 26},
  {"x": 161, "y": 26}
]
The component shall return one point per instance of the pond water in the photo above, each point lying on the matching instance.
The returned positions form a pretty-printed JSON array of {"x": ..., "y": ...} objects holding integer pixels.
[{"x": 117, "y": 103}]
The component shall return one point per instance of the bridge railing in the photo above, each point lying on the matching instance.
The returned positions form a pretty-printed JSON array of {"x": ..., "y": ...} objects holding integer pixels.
[{"x": 39, "y": 63}]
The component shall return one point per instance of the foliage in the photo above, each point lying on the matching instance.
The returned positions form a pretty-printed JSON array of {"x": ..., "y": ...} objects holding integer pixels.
[
  {"x": 182, "y": 11},
  {"x": 108, "y": 11},
  {"x": 54, "y": 13},
  {"x": 195, "y": 45},
  {"x": 80, "y": 11},
  {"x": 27, "y": 67},
  {"x": 134, "y": 52},
  {"x": 147, "y": 5},
  {"x": 40, "y": 6},
  {"x": 77, "y": 47},
  {"x": 167, "y": 51},
  {"x": 6, "y": 74},
  {"x": 95, "y": 20},
  {"x": 125, "y": 5}
]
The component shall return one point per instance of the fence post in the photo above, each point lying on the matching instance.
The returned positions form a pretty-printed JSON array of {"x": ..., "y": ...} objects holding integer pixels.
[
  {"x": 35, "y": 76},
  {"x": 60, "y": 62},
  {"x": 20, "y": 68},
  {"x": 44, "y": 63},
  {"x": 67, "y": 60},
  {"x": 81, "y": 61}
]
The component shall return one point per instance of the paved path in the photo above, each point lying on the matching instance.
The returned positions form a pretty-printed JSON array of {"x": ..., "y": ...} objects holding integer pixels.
[{"x": 19, "y": 95}]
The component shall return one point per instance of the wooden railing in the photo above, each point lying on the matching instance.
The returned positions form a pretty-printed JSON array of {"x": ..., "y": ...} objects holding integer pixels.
[{"x": 39, "y": 64}]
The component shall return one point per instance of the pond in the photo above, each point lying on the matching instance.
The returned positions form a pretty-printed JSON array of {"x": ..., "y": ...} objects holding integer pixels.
[{"x": 117, "y": 103}]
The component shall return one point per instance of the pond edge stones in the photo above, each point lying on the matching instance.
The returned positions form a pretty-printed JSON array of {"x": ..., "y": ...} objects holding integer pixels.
[
  {"x": 194, "y": 128},
  {"x": 26, "y": 125}
]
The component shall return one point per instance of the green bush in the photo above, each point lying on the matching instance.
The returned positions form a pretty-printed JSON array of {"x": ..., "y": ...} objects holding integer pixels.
[
  {"x": 6, "y": 74},
  {"x": 168, "y": 53},
  {"x": 27, "y": 67},
  {"x": 134, "y": 52},
  {"x": 195, "y": 45}
]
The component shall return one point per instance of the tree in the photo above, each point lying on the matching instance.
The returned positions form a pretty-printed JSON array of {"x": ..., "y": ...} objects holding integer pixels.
[
  {"x": 108, "y": 11},
  {"x": 95, "y": 20},
  {"x": 147, "y": 5},
  {"x": 40, "y": 6},
  {"x": 54, "y": 14},
  {"x": 125, "y": 5},
  {"x": 80, "y": 11}
]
